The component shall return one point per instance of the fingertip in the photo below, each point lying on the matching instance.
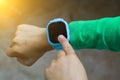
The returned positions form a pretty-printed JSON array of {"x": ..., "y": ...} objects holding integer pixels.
[{"x": 61, "y": 38}]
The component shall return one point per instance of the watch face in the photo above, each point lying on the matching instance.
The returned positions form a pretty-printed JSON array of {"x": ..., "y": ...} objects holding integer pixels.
[{"x": 55, "y": 29}]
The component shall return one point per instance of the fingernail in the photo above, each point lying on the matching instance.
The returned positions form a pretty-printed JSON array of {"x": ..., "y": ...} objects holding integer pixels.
[{"x": 60, "y": 37}]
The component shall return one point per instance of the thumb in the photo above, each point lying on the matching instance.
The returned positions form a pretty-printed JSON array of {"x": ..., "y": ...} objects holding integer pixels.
[{"x": 66, "y": 45}]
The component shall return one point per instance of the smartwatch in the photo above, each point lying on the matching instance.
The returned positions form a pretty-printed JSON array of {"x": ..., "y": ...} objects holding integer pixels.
[{"x": 55, "y": 28}]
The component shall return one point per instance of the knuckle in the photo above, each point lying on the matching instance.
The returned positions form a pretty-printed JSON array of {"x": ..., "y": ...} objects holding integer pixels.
[
  {"x": 17, "y": 50},
  {"x": 66, "y": 47},
  {"x": 15, "y": 39},
  {"x": 11, "y": 53},
  {"x": 12, "y": 44}
]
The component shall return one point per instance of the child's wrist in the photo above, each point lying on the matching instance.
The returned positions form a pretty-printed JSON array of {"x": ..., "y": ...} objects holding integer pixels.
[{"x": 47, "y": 45}]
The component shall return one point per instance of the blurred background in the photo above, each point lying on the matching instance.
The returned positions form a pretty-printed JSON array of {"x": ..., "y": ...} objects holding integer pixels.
[{"x": 99, "y": 64}]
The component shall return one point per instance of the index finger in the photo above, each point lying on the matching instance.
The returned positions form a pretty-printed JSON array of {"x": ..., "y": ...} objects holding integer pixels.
[{"x": 66, "y": 45}]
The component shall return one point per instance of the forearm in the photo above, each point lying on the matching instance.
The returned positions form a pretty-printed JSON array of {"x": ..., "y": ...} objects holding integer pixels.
[{"x": 96, "y": 34}]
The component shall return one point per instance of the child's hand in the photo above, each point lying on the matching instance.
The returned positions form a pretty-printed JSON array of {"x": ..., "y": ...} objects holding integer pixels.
[
  {"x": 29, "y": 44},
  {"x": 67, "y": 66}
]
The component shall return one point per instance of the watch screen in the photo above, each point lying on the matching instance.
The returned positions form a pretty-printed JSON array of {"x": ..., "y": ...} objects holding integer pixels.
[{"x": 55, "y": 29}]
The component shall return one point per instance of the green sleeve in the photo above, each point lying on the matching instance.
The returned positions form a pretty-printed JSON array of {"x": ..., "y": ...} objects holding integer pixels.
[{"x": 99, "y": 34}]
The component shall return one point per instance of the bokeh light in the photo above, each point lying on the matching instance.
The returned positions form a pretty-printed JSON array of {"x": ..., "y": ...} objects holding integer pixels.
[{"x": 2, "y": 1}]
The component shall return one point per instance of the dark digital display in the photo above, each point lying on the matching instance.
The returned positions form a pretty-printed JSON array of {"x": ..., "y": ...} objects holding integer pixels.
[{"x": 55, "y": 29}]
